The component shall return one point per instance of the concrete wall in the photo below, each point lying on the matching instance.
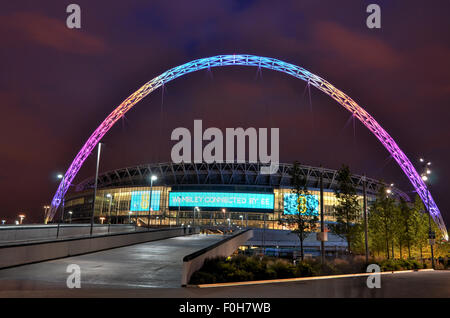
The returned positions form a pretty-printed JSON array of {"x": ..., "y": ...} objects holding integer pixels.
[
  {"x": 19, "y": 254},
  {"x": 39, "y": 232},
  {"x": 194, "y": 262}
]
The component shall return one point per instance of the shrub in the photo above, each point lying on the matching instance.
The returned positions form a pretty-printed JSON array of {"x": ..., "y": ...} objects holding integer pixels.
[
  {"x": 238, "y": 275},
  {"x": 304, "y": 269},
  {"x": 283, "y": 269},
  {"x": 202, "y": 278},
  {"x": 342, "y": 265},
  {"x": 255, "y": 266},
  {"x": 244, "y": 268},
  {"x": 327, "y": 268}
]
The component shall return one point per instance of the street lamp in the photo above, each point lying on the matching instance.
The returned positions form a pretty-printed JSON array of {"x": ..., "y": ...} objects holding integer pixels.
[
  {"x": 195, "y": 209},
  {"x": 152, "y": 178},
  {"x": 102, "y": 218},
  {"x": 431, "y": 235},
  {"x": 228, "y": 223},
  {"x": 21, "y": 216},
  {"x": 179, "y": 207},
  {"x": 224, "y": 211},
  {"x": 61, "y": 176},
  {"x": 242, "y": 220},
  {"x": 46, "y": 208},
  {"x": 109, "y": 196},
  {"x": 389, "y": 192},
  {"x": 70, "y": 217},
  {"x": 129, "y": 217}
]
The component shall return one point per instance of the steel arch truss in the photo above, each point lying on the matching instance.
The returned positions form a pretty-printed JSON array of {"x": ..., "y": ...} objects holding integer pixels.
[{"x": 263, "y": 62}]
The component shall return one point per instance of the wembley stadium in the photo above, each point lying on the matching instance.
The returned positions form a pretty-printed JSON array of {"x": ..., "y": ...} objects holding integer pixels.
[{"x": 217, "y": 195}]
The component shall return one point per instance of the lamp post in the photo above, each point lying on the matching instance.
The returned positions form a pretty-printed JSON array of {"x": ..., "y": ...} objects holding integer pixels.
[
  {"x": 46, "y": 208},
  {"x": 152, "y": 178},
  {"x": 195, "y": 209},
  {"x": 62, "y": 177},
  {"x": 70, "y": 217},
  {"x": 109, "y": 196},
  {"x": 95, "y": 185},
  {"x": 366, "y": 236},
  {"x": 431, "y": 235},
  {"x": 102, "y": 218},
  {"x": 21, "y": 216},
  {"x": 179, "y": 206},
  {"x": 224, "y": 211},
  {"x": 242, "y": 220},
  {"x": 389, "y": 192},
  {"x": 129, "y": 217}
]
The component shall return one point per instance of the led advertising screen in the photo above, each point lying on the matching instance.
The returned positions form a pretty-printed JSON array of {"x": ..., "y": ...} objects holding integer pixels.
[
  {"x": 305, "y": 204},
  {"x": 140, "y": 200},
  {"x": 262, "y": 201}
]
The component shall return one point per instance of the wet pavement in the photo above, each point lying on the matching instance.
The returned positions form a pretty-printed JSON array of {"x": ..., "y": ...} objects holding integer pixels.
[{"x": 152, "y": 264}]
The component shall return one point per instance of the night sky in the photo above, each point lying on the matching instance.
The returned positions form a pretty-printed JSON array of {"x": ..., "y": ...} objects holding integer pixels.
[{"x": 58, "y": 84}]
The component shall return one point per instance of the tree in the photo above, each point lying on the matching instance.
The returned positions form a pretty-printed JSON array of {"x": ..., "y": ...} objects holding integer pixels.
[
  {"x": 419, "y": 224},
  {"x": 382, "y": 219},
  {"x": 405, "y": 229},
  {"x": 347, "y": 211},
  {"x": 304, "y": 217}
]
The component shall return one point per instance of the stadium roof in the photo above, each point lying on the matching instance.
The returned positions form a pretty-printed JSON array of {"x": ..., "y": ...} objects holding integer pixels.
[{"x": 172, "y": 174}]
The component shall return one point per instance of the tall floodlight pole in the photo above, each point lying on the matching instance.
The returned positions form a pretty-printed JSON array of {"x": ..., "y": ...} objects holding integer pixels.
[
  {"x": 196, "y": 209},
  {"x": 431, "y": 235},
  {"x": 264, "y": 234},
  {"x": 179, "y": 207},
  {"x": 46, "y": 208},
  {"x": 152, "y": 178},
  {"x": 62, "y": 177},
  {"x": 322, "y": 227},
  {"x": 109, "y": 196},
  {"x": 366, "y": 237},
  {"x": 389, "y": 192},
  {"x": 95, "y": 185},
  {"x": 193, "y": 216}
]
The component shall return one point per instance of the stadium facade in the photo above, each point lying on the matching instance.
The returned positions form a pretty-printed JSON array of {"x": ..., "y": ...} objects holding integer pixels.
[{"x": 223, "y": 195}]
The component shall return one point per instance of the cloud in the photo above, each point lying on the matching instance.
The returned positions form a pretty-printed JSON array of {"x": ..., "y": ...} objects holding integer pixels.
[
  {"x": 27, "y": 139},
  {"x": 49, "y": 32},
  {"x": 358, "y": 50}
]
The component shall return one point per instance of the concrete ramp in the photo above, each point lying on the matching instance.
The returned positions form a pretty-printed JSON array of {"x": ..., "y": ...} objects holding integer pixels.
[{"x": 152, "y": 264}]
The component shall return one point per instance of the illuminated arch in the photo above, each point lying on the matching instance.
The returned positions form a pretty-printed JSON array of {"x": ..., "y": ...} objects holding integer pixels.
[{"x": 258, "y": 61}]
